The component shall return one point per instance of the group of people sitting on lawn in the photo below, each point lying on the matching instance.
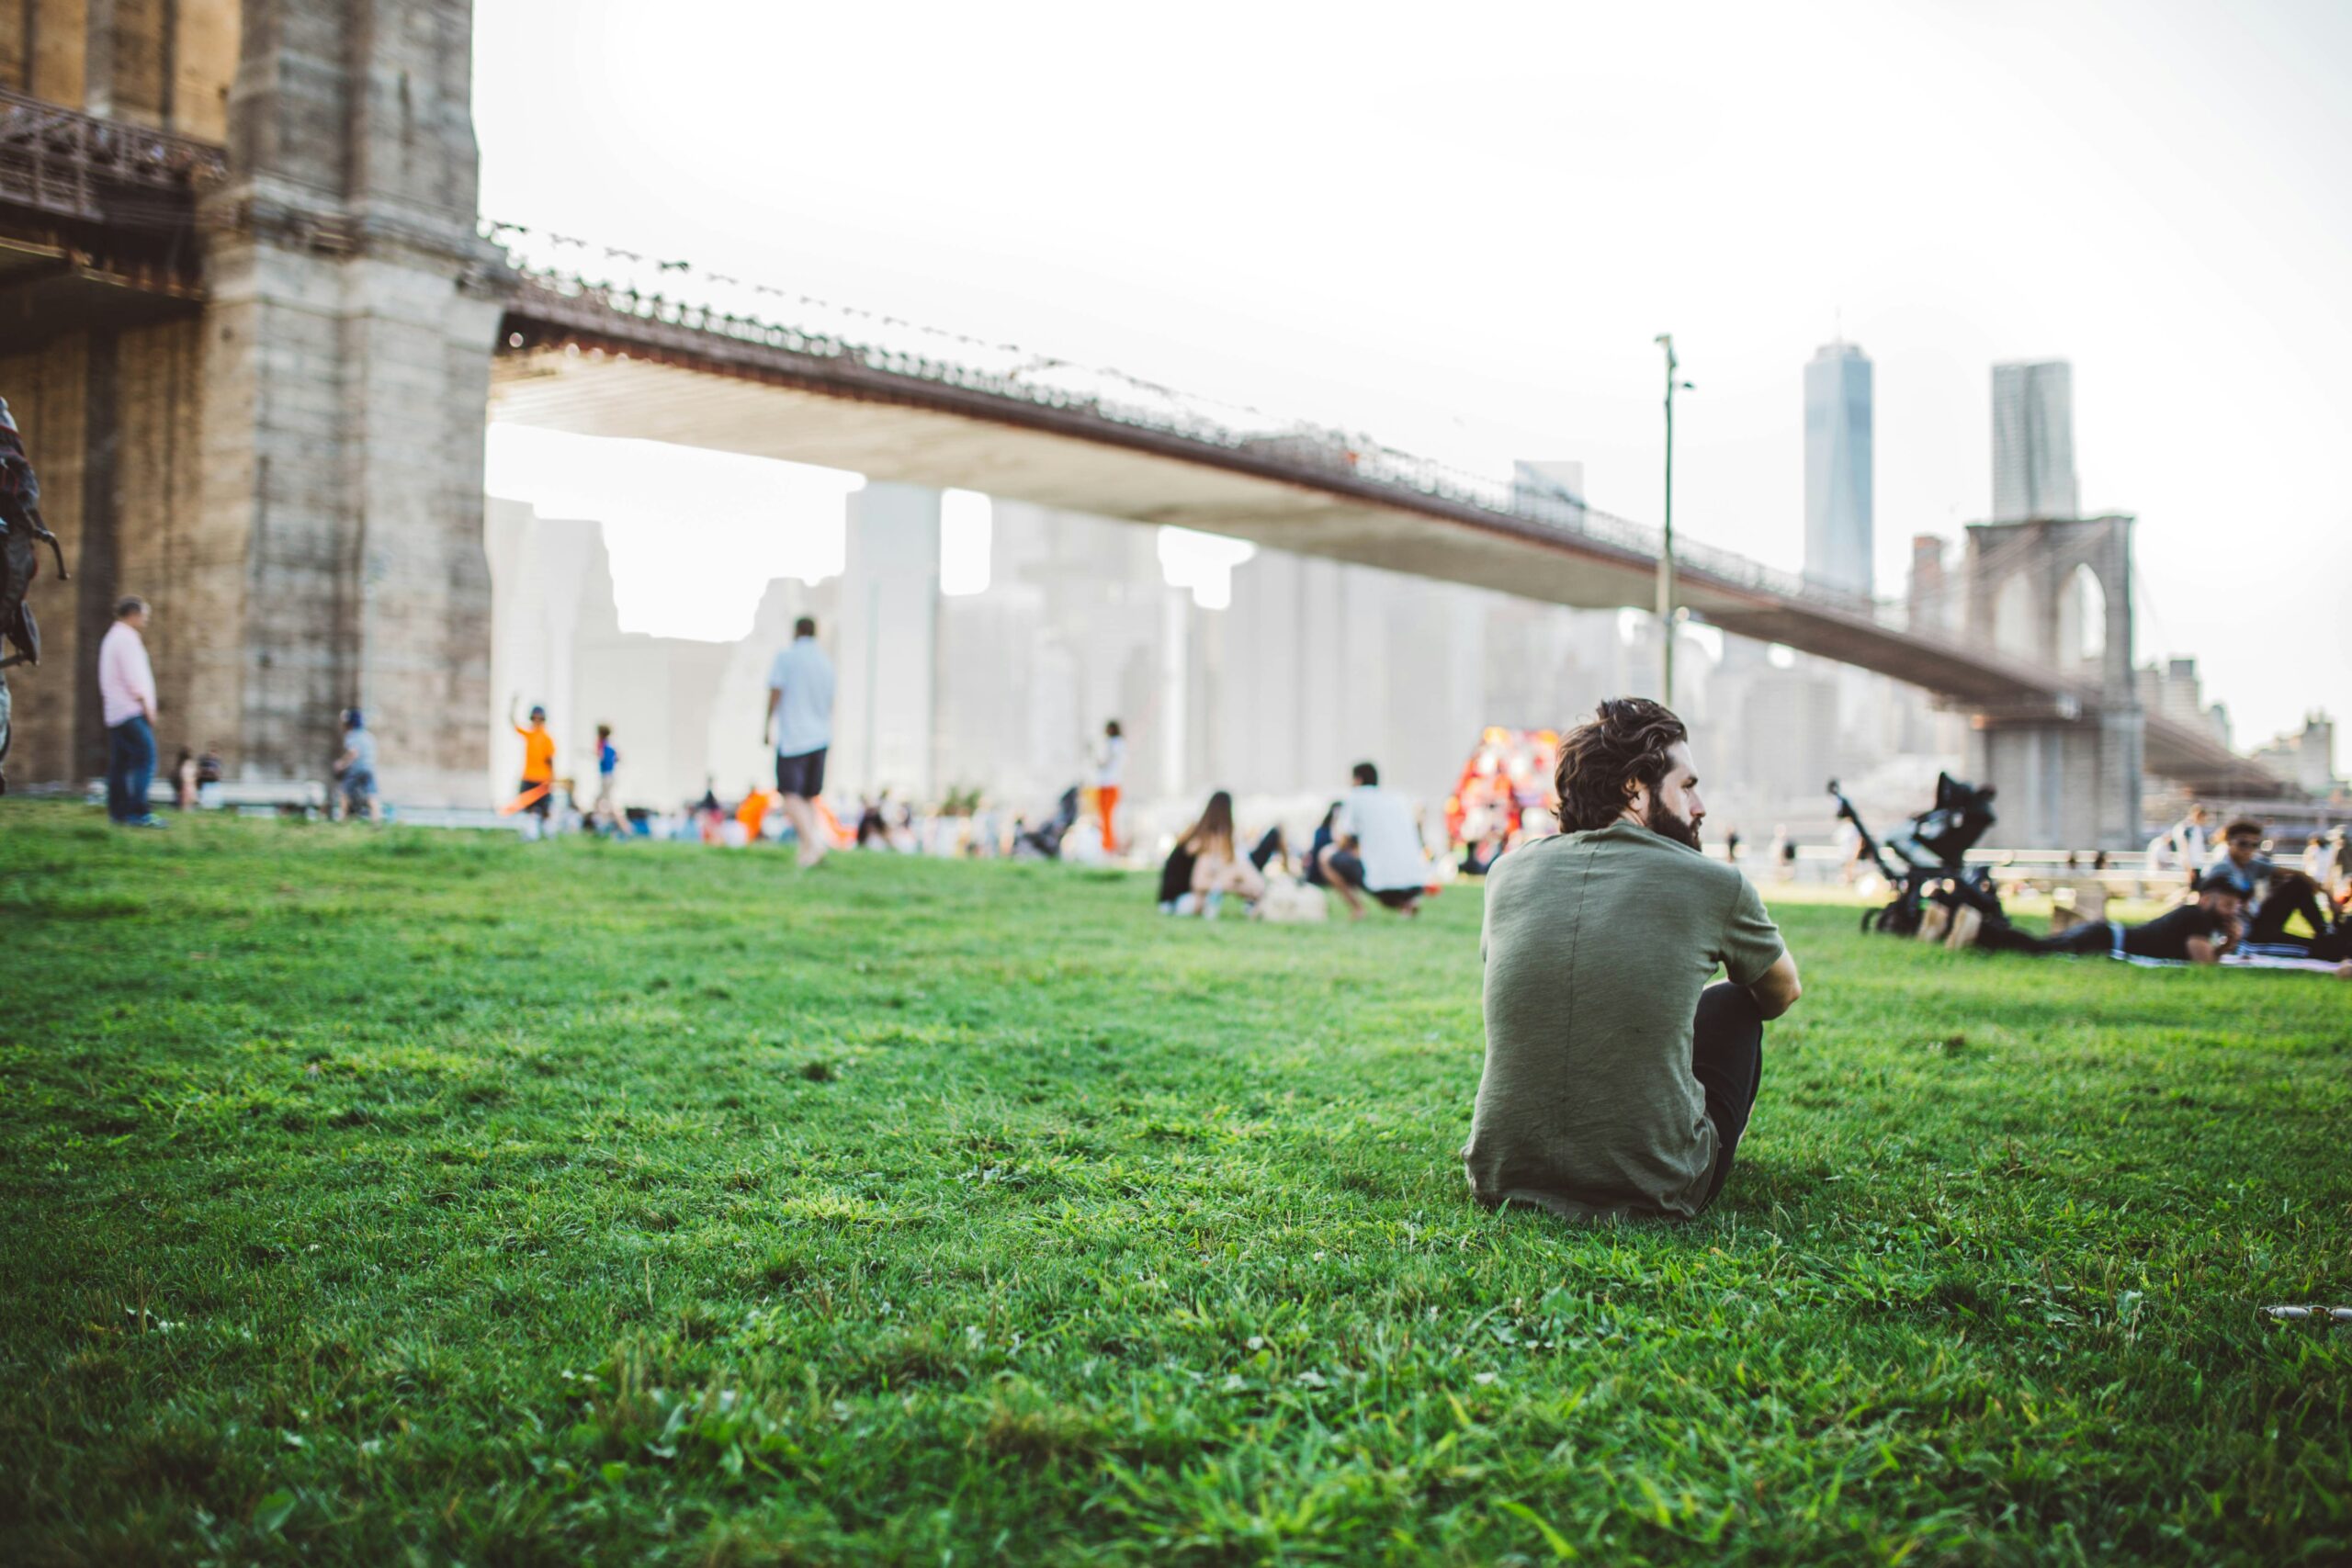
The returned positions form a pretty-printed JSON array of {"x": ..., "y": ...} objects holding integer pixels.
[
  {"x": 2242, "y": 902},
  {"x": 1368, "y": 846}
]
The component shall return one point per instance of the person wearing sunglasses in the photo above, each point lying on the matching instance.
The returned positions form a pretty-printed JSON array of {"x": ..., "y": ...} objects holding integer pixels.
[{"x": 2272, "y": 895}]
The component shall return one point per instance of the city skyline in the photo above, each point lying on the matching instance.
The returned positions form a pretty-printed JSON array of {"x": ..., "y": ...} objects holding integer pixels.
[{"x": 2207, "y": 156}]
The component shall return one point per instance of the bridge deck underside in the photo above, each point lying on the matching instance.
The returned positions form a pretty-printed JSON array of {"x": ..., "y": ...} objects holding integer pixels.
[
  {"x": 1148, "y": 477},
  {"x": 918, "y": 445},
  {"x": 47, "y": 292}
]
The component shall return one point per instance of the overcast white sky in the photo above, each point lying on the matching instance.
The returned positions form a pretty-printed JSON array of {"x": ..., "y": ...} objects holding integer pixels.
[{"x": 1458, "y": 227}]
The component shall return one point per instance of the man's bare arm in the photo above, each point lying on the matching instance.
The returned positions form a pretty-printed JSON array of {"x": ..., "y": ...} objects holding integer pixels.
[
  {"x": 1777, "y": 991},
  {"x": 767, "y": 725}
]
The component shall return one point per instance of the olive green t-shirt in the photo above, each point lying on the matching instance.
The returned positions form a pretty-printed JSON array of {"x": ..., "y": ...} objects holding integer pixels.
[{"x": 1596, "y": 946}]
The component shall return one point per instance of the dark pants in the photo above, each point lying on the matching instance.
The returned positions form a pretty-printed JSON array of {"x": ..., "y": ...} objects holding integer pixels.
[
  {"x": 1347, "y": 866},
  {"x": 1727, "y": 1059},
  {"x": 2289, "y": 896},
  {"x": 2094, "y": 939},
  {"x": 803, "y": 775},
  {"x": 131, "y": 767}
]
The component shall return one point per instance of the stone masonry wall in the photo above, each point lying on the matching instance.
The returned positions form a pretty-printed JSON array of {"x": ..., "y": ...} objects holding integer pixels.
[
  {"x": 111, "y": 422},
  {"x": 165, "y": 64},
  {"x": 295, "y": 480},
  {"x": 347, "y": 373},
  {"x": 159, "y": 476},
  {"x": 47, "y": 393}
]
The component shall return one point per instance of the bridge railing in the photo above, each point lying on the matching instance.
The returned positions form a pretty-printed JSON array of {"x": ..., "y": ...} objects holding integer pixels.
[
  {"x": 675, "y": 293},
  {"x": 86, "y": 168}
]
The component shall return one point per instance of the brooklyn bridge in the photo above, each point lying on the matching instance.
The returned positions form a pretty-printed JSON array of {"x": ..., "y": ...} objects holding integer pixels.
[{"x": 254, "y": 327}]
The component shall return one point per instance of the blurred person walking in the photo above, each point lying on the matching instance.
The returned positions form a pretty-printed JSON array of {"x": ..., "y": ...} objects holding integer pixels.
[
  {"x": 1109, "y": 770},
  {"x": 127, "y": 695},
  {"x": 799, "y": 725},
  {"x": 609, "y": 761},
  {"x": 355, "y": 772},
  {"x": 2183, "y": 847}
]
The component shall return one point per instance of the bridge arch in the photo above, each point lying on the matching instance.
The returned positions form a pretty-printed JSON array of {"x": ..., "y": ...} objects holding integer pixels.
[
  {"x": 2017, "y": 617},
  {"x": 2082, "y": 618}
]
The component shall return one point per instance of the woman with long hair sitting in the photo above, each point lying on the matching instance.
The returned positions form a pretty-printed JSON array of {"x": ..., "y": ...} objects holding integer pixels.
[{"x": 1205, "y": 865}]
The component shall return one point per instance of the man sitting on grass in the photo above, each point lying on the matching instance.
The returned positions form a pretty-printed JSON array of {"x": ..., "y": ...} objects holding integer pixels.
[
  {"x": 1375, "y": 848},
  {"x": 1618, "y": 1081},
  {"x": 2271, "y": 893}
]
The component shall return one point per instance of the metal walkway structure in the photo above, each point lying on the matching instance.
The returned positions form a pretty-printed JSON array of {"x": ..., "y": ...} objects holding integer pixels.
[
  {"x": 689, "y": 358},
  {"x": 105, "y": 225}
]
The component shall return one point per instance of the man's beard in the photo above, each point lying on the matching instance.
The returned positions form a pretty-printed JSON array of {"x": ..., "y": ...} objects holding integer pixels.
[{"x": 1658, "y": 820}]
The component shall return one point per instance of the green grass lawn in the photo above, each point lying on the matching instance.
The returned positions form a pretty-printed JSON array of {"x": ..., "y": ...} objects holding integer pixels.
[{"x": 387, "y": 1196}]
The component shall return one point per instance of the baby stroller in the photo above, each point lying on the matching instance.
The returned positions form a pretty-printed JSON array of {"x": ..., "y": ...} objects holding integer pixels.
[
  {"x": 1927, "y": 862},
  {"x": 1044, "y": 842}
]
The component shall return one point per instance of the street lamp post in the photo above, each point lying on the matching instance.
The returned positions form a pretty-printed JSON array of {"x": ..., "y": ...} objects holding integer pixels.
[{"x": 1666, "y": 545}]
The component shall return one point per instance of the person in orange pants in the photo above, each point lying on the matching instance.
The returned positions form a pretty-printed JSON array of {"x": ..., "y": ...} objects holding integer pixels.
[{"x": 1106, "y": 784}]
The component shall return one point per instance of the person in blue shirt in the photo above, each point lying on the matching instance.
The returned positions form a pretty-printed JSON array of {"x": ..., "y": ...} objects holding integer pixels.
[
  {"x": 354, "y": 769},
  {"x": 607, "y": 759}
]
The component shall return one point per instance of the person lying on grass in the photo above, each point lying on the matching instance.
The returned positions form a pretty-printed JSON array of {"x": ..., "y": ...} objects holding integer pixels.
[
  {"x": 2195, "y": 933},
  {"x": 1618, "y": 1081},
  {"x": 2198, "y": 933}
]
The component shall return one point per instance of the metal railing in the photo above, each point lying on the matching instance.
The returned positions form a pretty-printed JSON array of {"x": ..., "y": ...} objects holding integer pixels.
[
  {"x": 64, "y": 163},
  {"x": 581, "y": 277},
  {"x": 676, "y": 295}
]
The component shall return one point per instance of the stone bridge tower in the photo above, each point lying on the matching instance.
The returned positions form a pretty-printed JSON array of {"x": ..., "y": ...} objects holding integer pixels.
[
  {"x": 2057, "y": 594},
  {"x": 289, "y": 469}
]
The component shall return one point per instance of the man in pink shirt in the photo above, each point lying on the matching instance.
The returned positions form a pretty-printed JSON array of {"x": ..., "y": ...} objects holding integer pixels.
[{"x": 127, "y": 691}]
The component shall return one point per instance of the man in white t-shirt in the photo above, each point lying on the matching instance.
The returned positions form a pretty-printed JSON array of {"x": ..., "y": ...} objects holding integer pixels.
[
  {"x": 800, "y": 723},
  {"x": 1375, "y": 848}
]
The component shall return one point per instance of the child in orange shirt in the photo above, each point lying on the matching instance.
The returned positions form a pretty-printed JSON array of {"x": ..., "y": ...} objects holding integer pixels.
[{"x": 539, "y": 761}]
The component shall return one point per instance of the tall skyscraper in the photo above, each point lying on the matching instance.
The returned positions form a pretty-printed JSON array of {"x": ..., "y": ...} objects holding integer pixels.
[
  {"x": 1837, "y": 468},
  {"x": 2033, "y": 442}
]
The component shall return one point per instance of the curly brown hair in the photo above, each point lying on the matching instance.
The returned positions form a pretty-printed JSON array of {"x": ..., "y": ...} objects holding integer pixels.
[{"x": 1623, "y": 744}]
